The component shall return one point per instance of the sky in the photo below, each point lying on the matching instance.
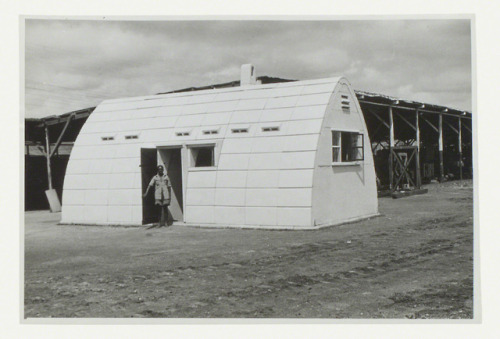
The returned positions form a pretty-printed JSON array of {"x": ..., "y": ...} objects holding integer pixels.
[{"x": 75, "y": 64}]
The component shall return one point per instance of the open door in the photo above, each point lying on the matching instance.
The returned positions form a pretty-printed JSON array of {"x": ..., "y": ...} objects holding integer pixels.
[
  {"x": 149, "y": 163},
  {"x": 172, "y": 160}
]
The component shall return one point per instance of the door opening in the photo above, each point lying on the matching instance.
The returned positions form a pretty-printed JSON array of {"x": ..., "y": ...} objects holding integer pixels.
[
  {"x": 149, "y": 161},
  {"x": 172, "y": 161}
]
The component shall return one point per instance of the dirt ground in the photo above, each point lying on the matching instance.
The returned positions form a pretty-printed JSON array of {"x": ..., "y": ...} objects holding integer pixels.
[{"x": 414, "y": 261}]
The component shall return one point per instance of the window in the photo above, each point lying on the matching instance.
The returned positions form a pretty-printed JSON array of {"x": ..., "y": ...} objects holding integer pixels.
[
  {"x": 182, "y": 134},
  {"x": 128, "y": 137},
  {"x": 202, "y": 156},
  {"x": 213, "y": 131},
  {"x": 239, "y": 130},
  {"x": 270, "y": 129},
  {"x": 347, "y": 146},
  {"x": 107, "y": 138}
]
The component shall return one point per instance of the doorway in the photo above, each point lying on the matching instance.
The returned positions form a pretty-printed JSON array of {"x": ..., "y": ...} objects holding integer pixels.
[
  {"x": 149, "y": 161},
  {"x": 172, "y": 161}
]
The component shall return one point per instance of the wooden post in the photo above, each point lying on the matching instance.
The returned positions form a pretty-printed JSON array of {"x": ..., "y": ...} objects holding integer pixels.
[
  {"x": 460, "y": 164},
  {"x": 441, "y": 165},
  {"x": 47, "y": 154},
  {"x": 391, "y": 149},
  {"x": 417, "y": 159}
]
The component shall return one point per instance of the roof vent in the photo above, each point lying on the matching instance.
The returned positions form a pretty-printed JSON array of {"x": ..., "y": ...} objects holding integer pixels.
[{"x": 248, "y": 76}]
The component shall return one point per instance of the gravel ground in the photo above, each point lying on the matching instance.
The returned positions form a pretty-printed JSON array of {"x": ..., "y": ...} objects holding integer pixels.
[{"x": 415, "y": 261}]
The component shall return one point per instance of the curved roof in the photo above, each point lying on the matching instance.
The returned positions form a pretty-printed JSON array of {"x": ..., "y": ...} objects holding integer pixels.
[{"x": 160, "y": 118}]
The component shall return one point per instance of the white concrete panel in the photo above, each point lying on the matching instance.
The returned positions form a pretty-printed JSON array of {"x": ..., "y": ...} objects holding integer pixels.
[
  {"x": 163, "y": 122},
  {"x": 228, "y": 96},
  {"x": 200, "y": 196},
  {"x": 122, "y": 197},
  {"x": 203, "y": 98},
  {"x": 158, "y": 135},
  {"x": 166, "y": 111},
  {"x": 304, "y": 126},
  {"x": 252, "y": 116},
  {"x": 261, "y": 216},
  {"x": 75, "y": 181},
  {"x": 73, "y": 214},
  {"x": 237, "y": 145},
  {"x": 230, "y": 197},
  {"x": 119, "y": 214},
  {"x": 137, "y": 181},
  {"x": 286, "y": 91},
  {"x": 221, "y": 106},
  {"x": 294, "y": 197},
  {"x": 95, "y": 213},
  {"x": 307, "y": 142},
  {"x": 225, "y": 215},
  {"x": 264, "y": 161},
  {"x": 297, "y": 160},
  {"x": 189, "y": 120},
  {"x": 308, "y": 112},
  {"x": 136, "y": 214},
  {"x": 176, "y": 101},
  {"x": 96, "y": 197},
  {"x": 294, "y": 216},
  {"x": 269, "y": 145},
  {"x": 277, "y": 114},
  {"x": 201, "y": 179},
  {"x": 282, "y": 102},
  {"x": 97, "y": 181},
  {"x": 216, "y": 119},
  {"x": 121, "y": 180},
  {"x": 126, "y": 165},
  {"x": 233, "y": 161},
  {"x": 321, "y": 88},
  {"x": 261, "y": 197},
  {"x": 78, "y": 166},
  {"x": 102, "y": 166},
  {"x": 128, "y": 150},
  {"x": 231, "y": 179},
  {"x": 261, "y": 179},
  {"x": 251, "y": 104},
  {"x": 199, "y": 214},
  {"x": 314, "y": 99},
  {"x": 73, "y": 197},
  {"x": 296, "y": 178}
]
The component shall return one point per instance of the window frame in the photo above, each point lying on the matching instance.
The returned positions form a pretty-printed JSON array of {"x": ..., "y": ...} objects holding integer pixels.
[
  {"x": 340, "y": 151},
  {"x": 192, "y": 160}
]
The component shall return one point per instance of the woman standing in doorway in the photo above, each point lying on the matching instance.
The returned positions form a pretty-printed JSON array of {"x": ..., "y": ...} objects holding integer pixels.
[{"x": 163, "y": 188}]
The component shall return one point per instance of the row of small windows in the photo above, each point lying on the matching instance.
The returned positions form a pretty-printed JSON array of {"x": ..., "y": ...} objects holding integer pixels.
[
  {"x": 127, "y": 137},
  {"x": 206, "y": 132}
]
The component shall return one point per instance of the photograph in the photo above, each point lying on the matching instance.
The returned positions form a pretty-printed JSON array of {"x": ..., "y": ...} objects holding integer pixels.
[{"x": 248, "y": 168}]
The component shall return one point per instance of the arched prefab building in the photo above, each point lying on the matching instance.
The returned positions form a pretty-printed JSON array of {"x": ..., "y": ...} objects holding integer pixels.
[{"x": 285, "y": 155}]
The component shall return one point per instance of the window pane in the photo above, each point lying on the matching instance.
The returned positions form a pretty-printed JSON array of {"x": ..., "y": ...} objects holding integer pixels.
[
  {"x": 336, "y": 138},
  {"x": 336, "y": 154},
  {"x": 203, "y": 156}
]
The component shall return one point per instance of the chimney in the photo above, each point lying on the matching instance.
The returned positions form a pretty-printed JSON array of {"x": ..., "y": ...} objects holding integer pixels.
[{"x": 248, "y": 76}]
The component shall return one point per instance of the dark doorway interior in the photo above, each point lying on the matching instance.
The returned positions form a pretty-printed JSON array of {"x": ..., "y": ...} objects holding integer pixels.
[{"x": 149, "y": 162}]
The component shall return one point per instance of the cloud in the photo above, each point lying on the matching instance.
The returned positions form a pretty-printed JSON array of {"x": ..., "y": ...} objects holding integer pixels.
[{"x": 73, "y": 64}]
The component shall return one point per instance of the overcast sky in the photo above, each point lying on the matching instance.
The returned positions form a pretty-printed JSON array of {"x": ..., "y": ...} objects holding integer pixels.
[{"x": 72, "y": 64}]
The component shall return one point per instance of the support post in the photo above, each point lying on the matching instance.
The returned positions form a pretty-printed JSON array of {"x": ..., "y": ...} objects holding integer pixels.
[
  {"x": 417, "y": 159},
  {"x": 460, "y": 162},
  {"x": 47, "y": 155},
  {"x": 391, "y": 149},
  {"x": 441, "y": 164},
  {"x": 54, "y": 203}
]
